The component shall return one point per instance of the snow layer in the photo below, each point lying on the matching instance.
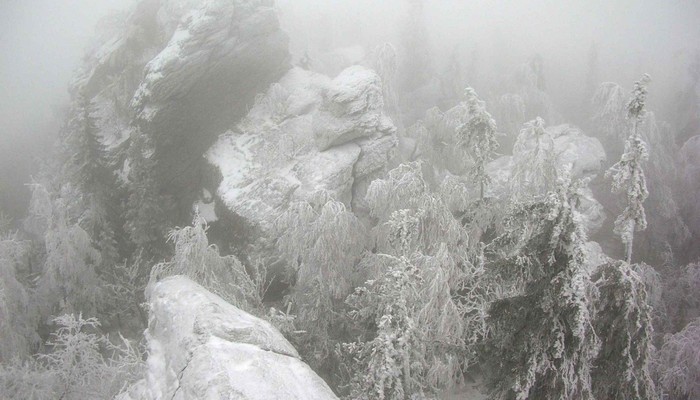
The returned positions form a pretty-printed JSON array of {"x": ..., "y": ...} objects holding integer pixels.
[
  {"x": 201, "y": 347},
  {"x": 307, "y": 133}
]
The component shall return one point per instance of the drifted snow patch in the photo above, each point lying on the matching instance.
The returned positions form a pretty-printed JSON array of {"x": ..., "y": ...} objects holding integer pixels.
[{"x": 201, "y": 347}]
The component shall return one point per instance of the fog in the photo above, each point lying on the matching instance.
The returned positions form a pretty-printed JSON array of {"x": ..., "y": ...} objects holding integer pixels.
[{"x": 42, "y": 42}]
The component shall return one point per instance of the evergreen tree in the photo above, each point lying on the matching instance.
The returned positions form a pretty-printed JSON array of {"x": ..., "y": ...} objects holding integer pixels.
[
  {"x": 628, "y": 175},
  {"x": 542, "y": 343},
  {"x": 89, "y": 171},
  {"x": 145, "y": 207},
  {"x": 623, "y": 322},
  {"x": 478, "y": 137}
]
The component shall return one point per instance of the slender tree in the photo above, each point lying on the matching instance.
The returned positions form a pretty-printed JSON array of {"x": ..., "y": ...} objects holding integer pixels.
[
  {"x": 628, "y": 175},
  {"x": 478, "y": 137}
]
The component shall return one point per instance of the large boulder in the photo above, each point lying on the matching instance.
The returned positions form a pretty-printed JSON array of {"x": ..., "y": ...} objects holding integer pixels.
[
  {"x": 201, "y": 347},
  {"x": 307, "y": 133}
]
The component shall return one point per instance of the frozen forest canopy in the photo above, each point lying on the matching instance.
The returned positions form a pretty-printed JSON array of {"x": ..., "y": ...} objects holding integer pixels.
[{"x": 354, "y": 199}]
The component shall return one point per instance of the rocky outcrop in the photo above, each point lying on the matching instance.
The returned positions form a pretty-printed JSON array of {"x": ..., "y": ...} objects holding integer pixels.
[
  {"x": 308, "y": 133},
  {"x": 183, "y": 71},
  {"x": 201, "y": 347},
  {"x": 352, "y": 109}
]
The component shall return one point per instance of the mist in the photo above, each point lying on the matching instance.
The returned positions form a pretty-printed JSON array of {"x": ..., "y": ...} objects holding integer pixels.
[{"x": 42, "y": 42}]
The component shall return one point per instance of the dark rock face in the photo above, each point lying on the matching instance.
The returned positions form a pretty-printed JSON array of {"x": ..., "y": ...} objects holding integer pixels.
[
  {"x": 217, "y": 60},
  {"x": 186, "y": 71}
]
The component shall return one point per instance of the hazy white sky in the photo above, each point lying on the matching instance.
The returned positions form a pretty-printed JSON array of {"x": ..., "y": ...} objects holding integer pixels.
[
  {"x": 43, "y": 41},
  {"x": 41, "y": 44}
]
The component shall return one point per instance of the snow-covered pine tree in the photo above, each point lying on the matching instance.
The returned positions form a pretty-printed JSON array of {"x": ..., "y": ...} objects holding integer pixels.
[
  {"x": 145, "y": 207},
  {"x": 478, "y": 138},
  {"x": 623, "y": 323},
  {"x": 542, "y": 343},
  {"x": 534, "y": 170},
  {"x": 628, "y": 175}
]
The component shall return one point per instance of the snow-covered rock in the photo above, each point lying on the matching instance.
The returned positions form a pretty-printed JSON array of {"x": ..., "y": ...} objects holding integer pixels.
[
  {"x": 352, "y": 109},
  {"x": 201, "y": 347},
  {"x": 585, "y": 153},
  {"x": 307, "y": 133}
]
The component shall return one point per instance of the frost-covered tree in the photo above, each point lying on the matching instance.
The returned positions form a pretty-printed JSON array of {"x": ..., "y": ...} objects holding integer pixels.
[
  {"x": 82, "y": 364},
  {"x": 422, "y": 263},
  {"x": 321, "y": 242},
  {"x": 392, "y": 361},
  {"x": 534, "y": 170},
  {"x": 17, "y": 311},
  {"x": 628, "y": 175},
  {"x": 195, "y": 258},
  {"x": 69, "y": 281},
  {"x": 542, "y": 342},
  {"x": 679, "y": 364},
  {"x": 145, "y": 207},
  {"x": 623, "y": 322},
  {"x": 478, "y": 136},
  {"x": 416, "y": 339}
]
